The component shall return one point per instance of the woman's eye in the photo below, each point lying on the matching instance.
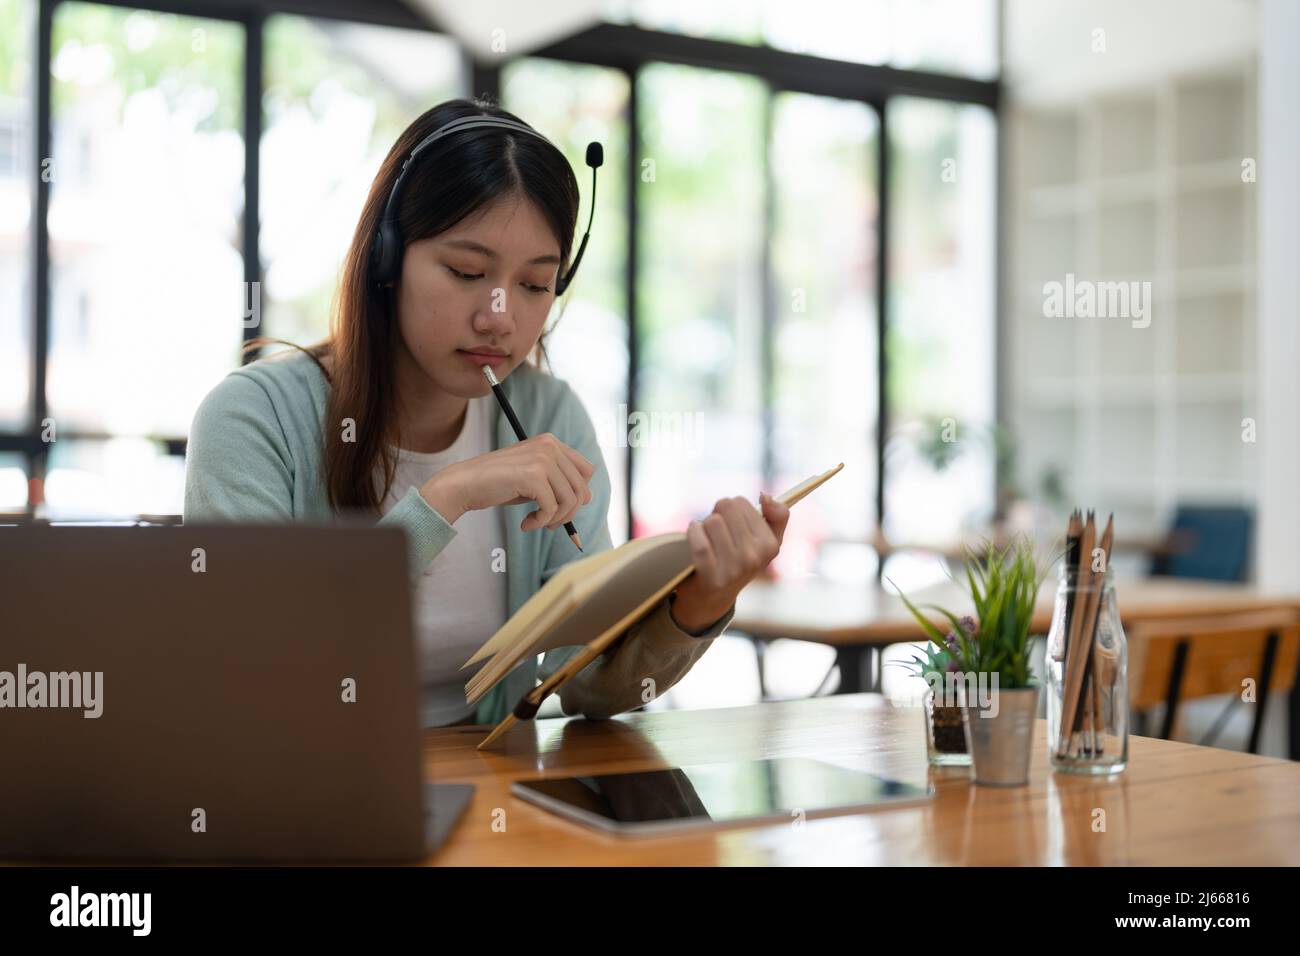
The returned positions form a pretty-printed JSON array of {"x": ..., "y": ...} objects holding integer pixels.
[{"x": 473, "y": 277}]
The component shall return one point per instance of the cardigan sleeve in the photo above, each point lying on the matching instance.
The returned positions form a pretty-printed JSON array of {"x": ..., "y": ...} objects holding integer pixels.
[
  {"x": 239, "y": 467},
  {"x": 653, "y": 656},
  {"x": 237, "y": 463},
  {"x": 655, "y": 653}
]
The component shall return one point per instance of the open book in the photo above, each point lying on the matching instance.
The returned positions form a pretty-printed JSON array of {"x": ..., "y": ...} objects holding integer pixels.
[{"x": 590, "y": 603}]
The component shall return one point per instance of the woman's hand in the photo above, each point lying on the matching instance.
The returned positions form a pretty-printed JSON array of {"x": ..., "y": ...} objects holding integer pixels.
[
  {"x": 542, "y": 469},
  {"x": 728, "y": 547}
]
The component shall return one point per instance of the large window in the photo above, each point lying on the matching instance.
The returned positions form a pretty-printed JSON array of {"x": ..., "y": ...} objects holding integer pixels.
[
  {"x": 825, "y": 337},
  {"x": 758, "y": 355},
  {"x": 145, "y": 217},
  {"x": 17, "y": 17},
  {"x": 792, "y": 262},
  {"x": 699, "y": 308},
  {"x": 939, "y": 466},
  {"x": 337, "y": 96},
  {"x": 587, "y": 338},
  {"x": 148, "y": 242}
]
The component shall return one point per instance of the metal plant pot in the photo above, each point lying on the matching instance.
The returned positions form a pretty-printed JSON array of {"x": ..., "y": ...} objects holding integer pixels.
[{"x": 1000, "y": 746}]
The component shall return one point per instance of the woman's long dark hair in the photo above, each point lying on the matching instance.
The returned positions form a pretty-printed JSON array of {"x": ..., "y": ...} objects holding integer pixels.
[{"x": 463, "y": 173}]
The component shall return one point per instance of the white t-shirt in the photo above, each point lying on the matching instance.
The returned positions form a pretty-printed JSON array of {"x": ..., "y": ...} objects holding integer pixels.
[{"x": 460, "y": 601}]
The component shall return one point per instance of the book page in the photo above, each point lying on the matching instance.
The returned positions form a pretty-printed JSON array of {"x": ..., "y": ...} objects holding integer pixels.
[
  {"x": 630, "y": 583},
  {"x": 591, "y": 596}
]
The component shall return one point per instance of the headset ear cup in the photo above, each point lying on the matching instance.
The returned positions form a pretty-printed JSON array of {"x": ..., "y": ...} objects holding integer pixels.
[
  {"x": 376, "y": 259},
  {"x": 384, "y": 253}
]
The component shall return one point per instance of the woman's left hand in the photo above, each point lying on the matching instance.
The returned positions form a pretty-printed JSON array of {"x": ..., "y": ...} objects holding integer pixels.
[{"x": 729, "y": 548}]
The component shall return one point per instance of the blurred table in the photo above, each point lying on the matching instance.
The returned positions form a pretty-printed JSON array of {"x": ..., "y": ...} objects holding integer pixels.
[
  {"x": 1176, "y": 805},
  {"x": 860, "y": 620},
  {"x": 871, "y": 615},
  {"x": 956, "y": 551}
]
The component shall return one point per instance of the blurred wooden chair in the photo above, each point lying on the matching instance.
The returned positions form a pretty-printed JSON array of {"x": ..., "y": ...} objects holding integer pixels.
[{"x": 1173, "y": 661}]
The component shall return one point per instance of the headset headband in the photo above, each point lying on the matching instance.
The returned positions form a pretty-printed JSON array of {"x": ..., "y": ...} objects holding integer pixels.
[
  {"x": 386, "y": 249},
  {"x": 455, "y": 126}
]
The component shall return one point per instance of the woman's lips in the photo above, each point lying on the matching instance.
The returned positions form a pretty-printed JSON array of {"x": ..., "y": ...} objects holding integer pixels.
[{"x": 484, "y": 358}]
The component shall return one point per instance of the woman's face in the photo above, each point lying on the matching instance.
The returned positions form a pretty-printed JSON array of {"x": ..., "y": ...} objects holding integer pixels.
[{"x": 478, "y": 294}]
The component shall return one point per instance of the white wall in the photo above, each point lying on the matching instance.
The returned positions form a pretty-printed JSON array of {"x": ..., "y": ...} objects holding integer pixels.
[{"x": 1277, "y": 556}]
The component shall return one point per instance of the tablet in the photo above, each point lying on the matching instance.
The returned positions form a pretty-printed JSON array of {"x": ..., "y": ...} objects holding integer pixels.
[{"x": 787, "y": 789}]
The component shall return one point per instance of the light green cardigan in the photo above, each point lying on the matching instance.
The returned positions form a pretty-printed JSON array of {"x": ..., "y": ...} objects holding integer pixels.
[{"x": 256, "y": 454}]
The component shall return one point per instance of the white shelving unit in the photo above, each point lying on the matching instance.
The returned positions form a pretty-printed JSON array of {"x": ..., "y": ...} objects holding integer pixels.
[{"x": 1139, "y": 185}]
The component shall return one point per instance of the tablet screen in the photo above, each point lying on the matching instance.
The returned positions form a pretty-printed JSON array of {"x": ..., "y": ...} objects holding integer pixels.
[{"x": 720, "y": 793}]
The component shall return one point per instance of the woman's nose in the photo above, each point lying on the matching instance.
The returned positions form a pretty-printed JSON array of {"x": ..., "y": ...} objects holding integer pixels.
[{"x": 496, "y": 315}]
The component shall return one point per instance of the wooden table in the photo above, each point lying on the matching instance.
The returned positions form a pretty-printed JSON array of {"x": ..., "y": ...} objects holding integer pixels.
[{"x": 1176, "y": 805}]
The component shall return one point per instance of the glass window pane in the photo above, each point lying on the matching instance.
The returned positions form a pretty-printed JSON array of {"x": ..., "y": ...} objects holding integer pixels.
[
  {"x": 337, "y": 96},
  {"x": 13, "y": 483},
  {"x": 17, "y": 40},
  {"x": 118, "y": 478},
  {"x": 824, "y": 260},
  {"x": 939, "y": 470},
  {"x": 699, "y": 434},
  {"x": 145, "y": 217},
  {"x": 587, "y": 347}
]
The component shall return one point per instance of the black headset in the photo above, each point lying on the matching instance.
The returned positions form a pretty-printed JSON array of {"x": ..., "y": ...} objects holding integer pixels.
[{"x": 386, "y": 249}]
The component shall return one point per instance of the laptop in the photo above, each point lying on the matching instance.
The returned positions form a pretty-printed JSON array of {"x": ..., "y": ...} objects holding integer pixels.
[{"x": 212, "y": 693}]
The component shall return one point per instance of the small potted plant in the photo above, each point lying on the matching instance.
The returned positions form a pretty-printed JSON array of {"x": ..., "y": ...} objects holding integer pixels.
[
  {"x": 991, "y": 678},
  {"x": 945, "y": 733}
]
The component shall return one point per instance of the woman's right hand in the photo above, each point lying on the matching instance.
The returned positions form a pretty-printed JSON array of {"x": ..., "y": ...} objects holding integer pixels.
[{"x": 542, "y": 469}]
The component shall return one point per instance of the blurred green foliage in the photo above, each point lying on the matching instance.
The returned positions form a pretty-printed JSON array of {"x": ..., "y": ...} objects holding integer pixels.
[{"x": 185, "y": 58}]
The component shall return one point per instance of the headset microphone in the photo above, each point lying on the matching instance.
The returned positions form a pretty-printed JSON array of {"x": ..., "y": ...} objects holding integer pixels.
[{"x": 595, "y": 159}]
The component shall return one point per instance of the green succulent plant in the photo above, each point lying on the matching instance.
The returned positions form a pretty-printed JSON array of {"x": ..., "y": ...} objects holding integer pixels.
[{"x": 1003, "y": 585}]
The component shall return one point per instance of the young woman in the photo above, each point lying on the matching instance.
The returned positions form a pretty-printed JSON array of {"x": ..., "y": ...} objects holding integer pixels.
[{"x": 392, "y": 416}]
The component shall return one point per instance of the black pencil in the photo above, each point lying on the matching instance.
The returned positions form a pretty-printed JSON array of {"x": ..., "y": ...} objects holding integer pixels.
[
  {"x": 522, "y": 436},
  {"x": 1073, "y": 534}
]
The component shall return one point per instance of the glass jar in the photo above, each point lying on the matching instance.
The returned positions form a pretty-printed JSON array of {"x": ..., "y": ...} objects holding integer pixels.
[
  {"x": 945, "y": 735},
  {"x": 1098, "y": 739}
]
